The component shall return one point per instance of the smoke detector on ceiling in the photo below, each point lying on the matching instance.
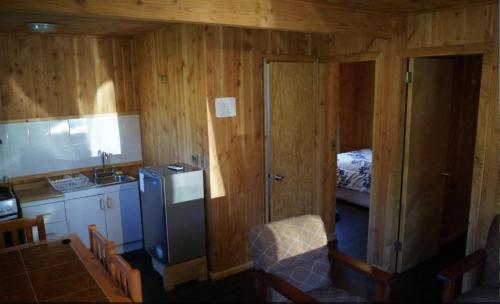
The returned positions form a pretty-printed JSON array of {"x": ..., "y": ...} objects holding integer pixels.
[{"x": 42, "y": 27}]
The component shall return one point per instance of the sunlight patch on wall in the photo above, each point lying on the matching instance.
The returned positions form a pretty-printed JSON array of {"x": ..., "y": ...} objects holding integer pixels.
[{"x": 217, "y": 188}]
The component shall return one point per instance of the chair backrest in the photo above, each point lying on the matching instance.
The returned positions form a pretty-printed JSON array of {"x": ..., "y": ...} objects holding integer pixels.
[
  {"x": 25, "y": 225},
  {"x": 101, "y": 248},
  {"x": 492, "y": 265},
  {"x": 126, "y": 278},
  {"x": 294, "y": 249}
]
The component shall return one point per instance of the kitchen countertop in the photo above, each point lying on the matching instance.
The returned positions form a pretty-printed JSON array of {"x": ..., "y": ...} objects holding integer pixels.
[{"x": 35, "y": 192}]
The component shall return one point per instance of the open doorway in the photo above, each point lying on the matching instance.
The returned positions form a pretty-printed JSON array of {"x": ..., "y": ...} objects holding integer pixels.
[
  {"x": 356, "y": 88},
  {"x": 440, "y": 137}
]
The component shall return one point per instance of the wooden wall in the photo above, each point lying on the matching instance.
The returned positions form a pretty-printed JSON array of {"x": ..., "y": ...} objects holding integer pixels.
[
  {"x": 355, "y": 118},
  {"x": 62, "y": 75},
  {"x": 468, "y": 30},
  {"x": 225, "y": 62},
  {"x": 182, "y": 68}
]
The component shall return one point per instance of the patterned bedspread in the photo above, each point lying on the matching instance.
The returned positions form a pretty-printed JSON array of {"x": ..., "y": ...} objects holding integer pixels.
[{"x": 354, "y": 170}]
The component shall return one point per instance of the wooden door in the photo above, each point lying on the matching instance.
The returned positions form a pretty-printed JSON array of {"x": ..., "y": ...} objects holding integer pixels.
[
  {"x": 82, "y": 212},
  {"x": 426, "y": 143},
  {"x": 292, "y": 144}
]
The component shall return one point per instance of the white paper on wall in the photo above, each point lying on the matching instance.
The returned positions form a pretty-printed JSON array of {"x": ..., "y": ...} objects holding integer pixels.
[{"x": 225, "y": 107}]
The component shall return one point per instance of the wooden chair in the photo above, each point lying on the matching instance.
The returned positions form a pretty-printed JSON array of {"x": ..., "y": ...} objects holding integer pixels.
[
  {"x": 26, "y": 225},
  {"x": 293, "y": 262},
  {"x": 126, "y": 278},
  {"x": 486, "y": 261},
  {"x": 100, "y": 247}
]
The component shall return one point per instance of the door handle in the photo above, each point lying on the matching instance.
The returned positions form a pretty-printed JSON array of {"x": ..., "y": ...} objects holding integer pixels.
[
  {"x": 445, "y": 174},
  {"x": 108, "y": 203},
  {"x": 279, "y": 178},
  {"x": 101, "y": 204}
]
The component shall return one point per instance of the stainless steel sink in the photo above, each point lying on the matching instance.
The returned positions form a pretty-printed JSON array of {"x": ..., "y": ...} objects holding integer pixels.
[{"x": 112, "y": 179}]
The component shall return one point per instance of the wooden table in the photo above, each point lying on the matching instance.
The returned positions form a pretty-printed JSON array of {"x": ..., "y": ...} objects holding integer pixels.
[{"x": 52, "y": 271}]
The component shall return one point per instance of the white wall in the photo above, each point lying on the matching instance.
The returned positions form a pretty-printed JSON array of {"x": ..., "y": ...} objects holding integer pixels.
[{"x": 39, "y": 147}]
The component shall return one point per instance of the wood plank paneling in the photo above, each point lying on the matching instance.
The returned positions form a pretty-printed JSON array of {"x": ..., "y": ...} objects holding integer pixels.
[
  {"x": 444, "y": 30},
  {"x": 223, "y": 62},
  {"x": 303, "y": 16},
  {"x": 406, "y": 6},
  {"x": 58, "y": 75},
  {"x": 355, "y": 120},
  {"x": 16, "y": 23},
  {"x": 472, "y": 30},
  {"x": 228, "y": 62}
]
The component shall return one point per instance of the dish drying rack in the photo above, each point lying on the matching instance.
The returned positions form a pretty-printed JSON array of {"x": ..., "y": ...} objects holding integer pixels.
[{"x": 70, "y": 182}]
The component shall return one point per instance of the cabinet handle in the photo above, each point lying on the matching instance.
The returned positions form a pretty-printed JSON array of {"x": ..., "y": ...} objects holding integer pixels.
[
  {"x": 101, "y": 203},
  {"x": 108, "y": 203}
]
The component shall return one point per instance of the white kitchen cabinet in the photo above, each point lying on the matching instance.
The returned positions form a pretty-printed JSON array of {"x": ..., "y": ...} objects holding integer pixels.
[
  {"x": 115, "y": 210},
  {"x": 81, "y": 212},
  {"x": 130, "y": 215},
  {"x": 54, "y": 216}
]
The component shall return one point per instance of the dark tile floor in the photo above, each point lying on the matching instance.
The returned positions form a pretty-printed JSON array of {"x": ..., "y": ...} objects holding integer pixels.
[{"x": 418, "y": 284}]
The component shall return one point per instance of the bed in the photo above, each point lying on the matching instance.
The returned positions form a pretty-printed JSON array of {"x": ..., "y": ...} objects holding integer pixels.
[{"x": 354, "y": 176}]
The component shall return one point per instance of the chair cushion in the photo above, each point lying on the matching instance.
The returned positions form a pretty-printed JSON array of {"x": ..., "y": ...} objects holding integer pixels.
[
  {"x": 329, "y": 294},
  {"x": 479, "y": 294},
  {"x": 294, "y": 249},
  {"x": 307, "y": 276},
  {"x": 289, "y": 242},
  {"x": 491, "y": 268}
]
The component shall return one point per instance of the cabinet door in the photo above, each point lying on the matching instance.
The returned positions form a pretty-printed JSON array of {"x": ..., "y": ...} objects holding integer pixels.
[
  {"x": 114, "y": 217},
  {"x": 82, "y": 212},
  {"x": 123, "y": 216}
]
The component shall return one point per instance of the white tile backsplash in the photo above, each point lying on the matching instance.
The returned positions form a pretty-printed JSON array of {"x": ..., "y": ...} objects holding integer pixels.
[
  {"x": 20, "y": 162},
  {"x": 43, "y": 160},
  {"x": 59, "y": 132},
  {"x": 83, "y": 156},
  {"x": 79, "y": 130},
  {"x": 63, "y": 144},
  {"x": 39, "y": 134},
  {"x": 3, "y": 137},
  {"x": 3, "y": 163},
  {"x": 17, "y": 136}
]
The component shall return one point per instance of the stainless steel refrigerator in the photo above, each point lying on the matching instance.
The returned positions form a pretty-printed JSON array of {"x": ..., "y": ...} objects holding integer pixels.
[{"x": 173, "y": 213}]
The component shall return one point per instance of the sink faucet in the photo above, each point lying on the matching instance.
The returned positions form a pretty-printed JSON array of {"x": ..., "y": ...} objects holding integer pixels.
[{"x": 105, "y": 156}]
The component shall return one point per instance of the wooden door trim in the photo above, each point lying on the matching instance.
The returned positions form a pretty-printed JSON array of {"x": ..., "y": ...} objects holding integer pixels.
[
  {"x": 482, "y": 127},
  {"x": 353, "y": 57},
  {"x": 289, "y": 58},
  {"x": 377, "y": 58},
  {"x": 462, "y": 49}
]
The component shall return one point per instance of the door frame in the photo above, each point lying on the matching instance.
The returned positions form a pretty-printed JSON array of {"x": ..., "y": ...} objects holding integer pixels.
[
  {"x": 266, "y": 59},
  {"x": 479, "y": 181},
  {"x": 377, "y": 59}
]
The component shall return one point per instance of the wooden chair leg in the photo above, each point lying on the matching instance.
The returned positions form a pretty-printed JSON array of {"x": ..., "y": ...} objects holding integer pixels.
[
  {"x": 382, "y": 293},
  {"x": 449, "y": 289},
  {"x": 262, "y": 290}
]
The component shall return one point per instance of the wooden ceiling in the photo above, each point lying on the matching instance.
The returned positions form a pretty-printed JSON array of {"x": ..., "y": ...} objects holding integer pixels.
[
  {"x": 97, "y": 17},
  {"x": 16, "y": 23},
  {"x": 404, "y": 7}
]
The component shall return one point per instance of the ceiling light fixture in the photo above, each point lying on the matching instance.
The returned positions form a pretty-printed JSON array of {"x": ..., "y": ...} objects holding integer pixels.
[{"x": 42, "y": 27}]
